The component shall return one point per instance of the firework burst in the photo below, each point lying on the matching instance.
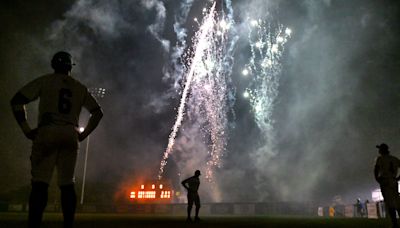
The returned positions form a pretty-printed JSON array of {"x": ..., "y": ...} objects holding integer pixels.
[{"x": 207, "y": 81}]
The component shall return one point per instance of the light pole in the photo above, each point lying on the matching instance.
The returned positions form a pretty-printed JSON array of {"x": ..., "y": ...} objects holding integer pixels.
[
  {"x": 85, "y": 165},
  {"x": 97, "y": 93}
]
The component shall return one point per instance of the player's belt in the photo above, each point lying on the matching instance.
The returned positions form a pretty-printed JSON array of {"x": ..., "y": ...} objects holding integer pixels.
[{"x": 48, "y": 119}]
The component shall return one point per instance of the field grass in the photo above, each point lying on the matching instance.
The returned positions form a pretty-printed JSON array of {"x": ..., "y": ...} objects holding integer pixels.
[{"x": 54, "y": 220}]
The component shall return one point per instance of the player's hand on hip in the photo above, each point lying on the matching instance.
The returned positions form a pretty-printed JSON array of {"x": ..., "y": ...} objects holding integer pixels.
[
  {"x": 81, "y": 137},
  {"x": 32, "y": 134}
]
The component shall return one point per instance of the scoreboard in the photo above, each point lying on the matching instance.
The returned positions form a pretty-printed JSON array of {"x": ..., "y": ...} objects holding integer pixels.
[{"x": 151, "y": 193}]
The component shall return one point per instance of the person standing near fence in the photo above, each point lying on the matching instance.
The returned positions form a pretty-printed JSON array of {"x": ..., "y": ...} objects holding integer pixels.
[
  {"x": 365, "y": 208},
  {"x": 385, "y": 172},
  {"x": 359, "y": 207}
]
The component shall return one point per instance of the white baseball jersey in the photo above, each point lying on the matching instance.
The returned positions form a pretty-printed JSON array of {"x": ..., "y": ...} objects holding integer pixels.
[{"x": 61, "y": 99}]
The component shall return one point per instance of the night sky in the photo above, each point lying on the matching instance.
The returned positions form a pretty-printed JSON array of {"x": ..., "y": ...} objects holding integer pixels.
[{"x": 339, "y": 93}]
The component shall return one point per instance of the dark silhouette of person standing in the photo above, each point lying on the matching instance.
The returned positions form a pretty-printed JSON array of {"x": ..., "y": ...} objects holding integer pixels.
[
  {"x": 192, "y": 186},
  {"x": 55, "y": 140},
  {"x": 359, "y": 208},
  {"x": 385, "y": 171}
]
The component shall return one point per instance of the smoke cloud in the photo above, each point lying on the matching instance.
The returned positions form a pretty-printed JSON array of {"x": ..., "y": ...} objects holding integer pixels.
[{"x": 337, "y": 94}]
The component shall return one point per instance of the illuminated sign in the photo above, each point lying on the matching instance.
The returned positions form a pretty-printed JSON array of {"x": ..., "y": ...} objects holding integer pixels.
[
  {"x": 151, "y": 192},
  {"x": 165, "y": 194}
]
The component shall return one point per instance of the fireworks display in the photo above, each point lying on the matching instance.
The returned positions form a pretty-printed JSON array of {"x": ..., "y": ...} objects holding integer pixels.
[
  {"x": 207, "y": 80},
  {"x": 258, "y": 95},
  {"x": 197, "y": 66},
  {"x": 208, "y": 92},
  {"x": 264, "y": 67}
]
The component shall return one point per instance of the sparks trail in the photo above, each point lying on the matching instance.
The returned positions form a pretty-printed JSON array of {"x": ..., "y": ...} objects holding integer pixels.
[
  {"x": 264, "y": 67},
  {"x": 208, "y": 80},
  {"x": 200, "y": 47},
  {"x": 266, "y": 46}
]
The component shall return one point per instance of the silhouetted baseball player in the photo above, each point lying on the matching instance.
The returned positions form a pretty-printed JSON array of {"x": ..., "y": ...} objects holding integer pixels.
[
  {"x": 192, "y": 186},
  {"x": 55, "y": 140}
]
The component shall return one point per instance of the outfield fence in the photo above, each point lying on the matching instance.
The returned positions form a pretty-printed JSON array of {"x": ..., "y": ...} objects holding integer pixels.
[
  {"x": 244, "y": 209},
  {"x": 371, "y": 210}
]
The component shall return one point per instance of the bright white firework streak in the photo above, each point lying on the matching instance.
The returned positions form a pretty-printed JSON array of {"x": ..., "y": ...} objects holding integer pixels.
[
  {"x": 212, "y": 93},
  {"x": 200, "y": 47},
  {"x": 267, "y": 46},
  {"x": 217, "y": 97}
]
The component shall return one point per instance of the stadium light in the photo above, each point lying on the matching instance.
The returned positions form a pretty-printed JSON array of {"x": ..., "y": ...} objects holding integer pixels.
[{"x": 97, "y": 93}]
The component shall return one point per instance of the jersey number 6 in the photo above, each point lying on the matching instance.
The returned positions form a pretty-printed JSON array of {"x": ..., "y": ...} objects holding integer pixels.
[{"x": 64, "y": 103}]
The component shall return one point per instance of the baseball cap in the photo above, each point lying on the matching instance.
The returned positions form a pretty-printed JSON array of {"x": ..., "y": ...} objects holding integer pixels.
[{"x": 383, "y": 146}]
